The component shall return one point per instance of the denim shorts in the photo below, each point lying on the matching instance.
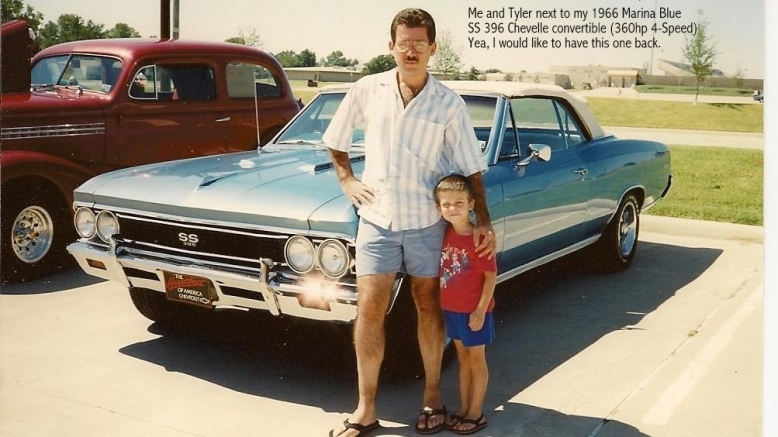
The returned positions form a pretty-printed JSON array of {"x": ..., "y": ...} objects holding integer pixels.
[
  {"x": 415, "y": 252},
  {"x": 457, "y": 328}
]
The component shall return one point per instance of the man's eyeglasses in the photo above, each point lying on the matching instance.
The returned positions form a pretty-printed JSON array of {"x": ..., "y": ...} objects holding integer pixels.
[{"x": 418, "y": 46}]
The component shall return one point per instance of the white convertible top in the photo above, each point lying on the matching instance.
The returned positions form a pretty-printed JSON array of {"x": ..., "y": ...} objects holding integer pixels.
[{"x": 517, "y": 89}]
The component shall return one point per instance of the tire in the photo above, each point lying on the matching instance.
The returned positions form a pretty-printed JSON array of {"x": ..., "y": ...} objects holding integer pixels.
[
  {"x": 35, "y": 230},
  {"x": 153, "y": 305},
  {"x": 619, "y": 241}
]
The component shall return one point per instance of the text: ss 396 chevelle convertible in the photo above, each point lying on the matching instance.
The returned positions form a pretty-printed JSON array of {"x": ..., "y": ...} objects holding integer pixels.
[{"x": 271, "y": 229}]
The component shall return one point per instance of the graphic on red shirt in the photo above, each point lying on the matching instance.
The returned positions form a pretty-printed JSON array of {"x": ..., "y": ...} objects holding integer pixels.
[{"x": 462, "y": 273}]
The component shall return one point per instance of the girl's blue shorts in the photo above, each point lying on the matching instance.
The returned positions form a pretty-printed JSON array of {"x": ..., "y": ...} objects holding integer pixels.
[{"x": 458, "y": 329}]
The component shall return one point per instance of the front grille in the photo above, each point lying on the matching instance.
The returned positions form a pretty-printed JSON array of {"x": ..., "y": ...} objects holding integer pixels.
[{"x": 211, "y": 243}]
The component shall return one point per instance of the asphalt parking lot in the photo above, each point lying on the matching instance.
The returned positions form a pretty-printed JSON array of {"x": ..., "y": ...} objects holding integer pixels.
[{"x": 671, "y": 347}]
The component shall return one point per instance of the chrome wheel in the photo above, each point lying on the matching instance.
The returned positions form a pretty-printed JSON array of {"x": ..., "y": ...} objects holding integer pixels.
[
  {"x": 619, "y": 241},
  {"x": 628, "y": 229},
  {"x": 32, "y": 234}
]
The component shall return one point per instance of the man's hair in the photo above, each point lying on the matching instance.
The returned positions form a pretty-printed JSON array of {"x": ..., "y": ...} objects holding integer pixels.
[
  {"x": 453, "y": 182},
  {"x": 414, "y": 17}
]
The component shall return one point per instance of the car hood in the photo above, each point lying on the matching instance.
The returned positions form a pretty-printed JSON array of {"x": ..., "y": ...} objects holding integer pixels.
[
  {"x": 286, "y": 187},
  {"x": 58, "y": 101}
]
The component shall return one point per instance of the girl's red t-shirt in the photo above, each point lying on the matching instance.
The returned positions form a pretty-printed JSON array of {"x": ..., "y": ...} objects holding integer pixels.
[{"x": 462, "y": 273}]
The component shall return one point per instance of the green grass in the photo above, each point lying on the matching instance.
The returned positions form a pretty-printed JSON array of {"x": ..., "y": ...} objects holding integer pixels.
[
  {"x": 649, "y": 113},
  {"x": 706, "y": 91},
  {"x": 678, "y": 115},
  {"x": 715, "y": 184}
]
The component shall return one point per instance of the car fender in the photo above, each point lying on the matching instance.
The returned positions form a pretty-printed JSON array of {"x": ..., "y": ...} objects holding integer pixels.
[{"x": 65, "y": 175}]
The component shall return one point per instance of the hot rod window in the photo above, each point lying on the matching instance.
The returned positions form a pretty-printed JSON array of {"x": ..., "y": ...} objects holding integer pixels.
[
  {"x": 93, "y": 73},
  {"x": 152, "y": 82},
  {"x": 545, "y": 121},
  {"x": 185, "y": 82},
  {"x": 246, "y": 80}
]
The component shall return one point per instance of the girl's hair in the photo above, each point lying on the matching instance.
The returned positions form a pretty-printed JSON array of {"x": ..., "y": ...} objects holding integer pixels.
[{"x": 454, "y": 182}]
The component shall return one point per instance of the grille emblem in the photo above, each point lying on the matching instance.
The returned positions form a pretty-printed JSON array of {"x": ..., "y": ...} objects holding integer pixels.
[{"x": 189, "y": 240}]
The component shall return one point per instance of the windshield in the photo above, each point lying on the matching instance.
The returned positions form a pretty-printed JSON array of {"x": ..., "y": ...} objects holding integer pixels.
[
  {"x": 90, "y": 72},
  {"x": 310, "y": 126}
]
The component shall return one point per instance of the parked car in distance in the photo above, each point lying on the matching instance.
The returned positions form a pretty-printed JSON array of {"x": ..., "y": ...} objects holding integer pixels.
[
  {"x": 759, "y": 96},
  {"x": 271, "y": 230},
  {"x": 92, "y": 106}
]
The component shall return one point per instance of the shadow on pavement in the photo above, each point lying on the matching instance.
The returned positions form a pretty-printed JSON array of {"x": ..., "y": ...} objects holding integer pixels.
[
  {"x": 66, "y": 278},
  {"x": 544, "y": 318}
]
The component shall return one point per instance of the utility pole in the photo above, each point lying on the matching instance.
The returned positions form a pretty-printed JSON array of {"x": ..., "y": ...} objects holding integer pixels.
[
  {"x": 164, "y": 19},
  {"x": 175, "y": 19},
  {"x": 651, "y": 62}
]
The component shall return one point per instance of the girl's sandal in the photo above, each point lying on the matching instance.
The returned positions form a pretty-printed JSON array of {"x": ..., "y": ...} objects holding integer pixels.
[
  {"x": 453, "y": 421},
  {"x": 479, "y": 424}
]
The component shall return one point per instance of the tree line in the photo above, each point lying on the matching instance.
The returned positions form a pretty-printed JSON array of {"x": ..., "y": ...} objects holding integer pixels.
[
  {"x": 71, "y": 27},
  {"x": 699, "y": 51},
  {"x": 68, "y": 27}
]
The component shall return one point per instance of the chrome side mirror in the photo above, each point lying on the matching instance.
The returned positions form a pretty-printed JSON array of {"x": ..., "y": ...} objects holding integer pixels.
[{"x": 541, "y": 152}]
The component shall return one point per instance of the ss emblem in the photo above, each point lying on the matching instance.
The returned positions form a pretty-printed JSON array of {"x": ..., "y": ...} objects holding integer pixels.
[{"x": 188, "y": 239}]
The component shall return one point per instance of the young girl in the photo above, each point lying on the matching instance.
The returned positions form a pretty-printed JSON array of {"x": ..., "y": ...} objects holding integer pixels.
[{"x": 466, "y": 287}]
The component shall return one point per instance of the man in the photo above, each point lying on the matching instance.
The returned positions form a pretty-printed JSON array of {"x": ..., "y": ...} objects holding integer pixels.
[{"x": 417, "y": 131}]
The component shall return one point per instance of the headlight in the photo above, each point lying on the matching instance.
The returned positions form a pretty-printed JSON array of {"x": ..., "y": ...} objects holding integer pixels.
[
  {"x": 333, "y": 259},
  {"x": 107, "y": 225},
  {"x": 299, "y": 254},
  {"x": 84, "y": 222}
]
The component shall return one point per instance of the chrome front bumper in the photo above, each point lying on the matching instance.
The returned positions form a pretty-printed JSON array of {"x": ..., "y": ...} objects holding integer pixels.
[{"x": 316, "y": 300}]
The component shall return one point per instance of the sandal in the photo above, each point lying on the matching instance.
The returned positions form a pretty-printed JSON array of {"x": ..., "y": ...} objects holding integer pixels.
[
  {"x": 479, "y": 423},
  {"x": 361, "y": 429},
  {"x": 453, "y": 421},
  {"x": 428, "y": 412}
]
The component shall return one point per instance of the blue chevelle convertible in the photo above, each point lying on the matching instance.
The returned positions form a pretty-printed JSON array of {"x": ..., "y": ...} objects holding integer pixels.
[{"x": 271, "y": 230}]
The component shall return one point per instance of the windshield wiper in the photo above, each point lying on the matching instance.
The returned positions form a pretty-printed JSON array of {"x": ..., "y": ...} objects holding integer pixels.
[{"x": 312, "y": 142}]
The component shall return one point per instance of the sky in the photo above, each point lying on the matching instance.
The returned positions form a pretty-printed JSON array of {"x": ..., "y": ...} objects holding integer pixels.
[{"x": 360, "y": 29}]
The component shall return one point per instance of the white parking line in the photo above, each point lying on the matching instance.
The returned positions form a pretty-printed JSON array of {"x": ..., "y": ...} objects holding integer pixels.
[{"x": 664, "y": 407}]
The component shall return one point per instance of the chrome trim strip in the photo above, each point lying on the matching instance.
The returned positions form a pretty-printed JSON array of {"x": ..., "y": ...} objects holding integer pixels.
[
  {"x": 57, "y": 130},
  {"x": 543, "y": 260},
  {"x": 193, "y": 226},
  {"x": 200, "y": 261}
]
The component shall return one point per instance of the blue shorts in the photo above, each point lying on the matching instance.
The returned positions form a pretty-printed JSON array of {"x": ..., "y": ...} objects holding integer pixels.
[
  {"x": 457, "y": 328},
  {"x": 415, "y": 252}
]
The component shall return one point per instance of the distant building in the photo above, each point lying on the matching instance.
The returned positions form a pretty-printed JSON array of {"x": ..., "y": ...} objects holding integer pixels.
[
  {"x": 596, "y": 76},
  {"x": 562, "y": 80},
  {"x": 322, "y": 74},
  {"x": 671, "y": 68}
]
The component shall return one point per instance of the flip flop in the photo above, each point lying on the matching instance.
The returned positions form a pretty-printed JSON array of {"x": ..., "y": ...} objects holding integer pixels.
[
  {"x": 361, "y": 429},
  {"x": 479, "y": 423},
  {"x": 428, "y": 412},
  {"x": 456, "y": 418}
]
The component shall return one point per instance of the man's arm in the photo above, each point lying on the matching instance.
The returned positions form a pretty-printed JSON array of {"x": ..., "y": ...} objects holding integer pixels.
[
  {"x": 358, "y": 193},
  {"x": 483, "y": 222}
]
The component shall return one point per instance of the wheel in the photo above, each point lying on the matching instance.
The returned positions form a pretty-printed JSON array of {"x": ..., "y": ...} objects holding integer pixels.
[
  {"x": 153, "y": 305},
  {"x": 35, "y": 231},
  {"x": 619, "y": 241}
]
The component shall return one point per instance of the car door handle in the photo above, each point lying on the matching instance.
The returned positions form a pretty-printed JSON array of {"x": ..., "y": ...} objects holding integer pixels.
[
  {"x": 581, "y": 172},
  {"x": 219, "y": 120}
]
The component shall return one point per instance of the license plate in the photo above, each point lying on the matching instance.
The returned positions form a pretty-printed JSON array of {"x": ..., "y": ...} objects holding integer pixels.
[{"x": 189, "y": 289}]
